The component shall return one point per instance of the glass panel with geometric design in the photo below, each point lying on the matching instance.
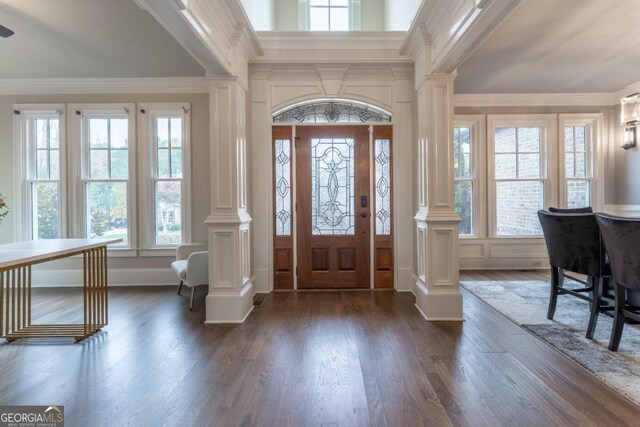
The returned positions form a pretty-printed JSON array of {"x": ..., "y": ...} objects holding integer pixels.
[
  {"x": 463, "y": 189},
  {"x": 332, "y": 186},
  {"x": 383, "y": 186},
  {"x": 45, "y": 185},
  {"x": 332, "y": 112},
  {"x": 282, "y": 167}
]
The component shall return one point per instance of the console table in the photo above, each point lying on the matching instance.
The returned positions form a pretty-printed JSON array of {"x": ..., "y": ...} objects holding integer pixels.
[{"x": 16, "y": 260}]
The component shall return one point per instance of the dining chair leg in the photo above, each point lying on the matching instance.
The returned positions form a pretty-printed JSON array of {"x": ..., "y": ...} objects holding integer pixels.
[
  {"x": 618, "y": 320},
  {"x": 553, "y": 298},
  {"x": 597, "y": 284},
  {"x": 180, "y": 287},
  {"x": 193, "y": 291}
]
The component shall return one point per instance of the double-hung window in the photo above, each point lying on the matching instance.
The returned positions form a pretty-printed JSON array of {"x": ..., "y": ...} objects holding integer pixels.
[
  {"x": 519, "y": 173},
  {"x": 106, "y": 137},
  {"x": 40, "y": 147},
  {"x": 329, "y": 15},
  {"x": 578, "y": 141},
  {"x": 165, "y": 145}
]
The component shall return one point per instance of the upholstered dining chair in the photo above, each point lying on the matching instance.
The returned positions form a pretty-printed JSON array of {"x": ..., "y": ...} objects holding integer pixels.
[
  {"x": 621, "y": 237},
  {"x": 574, "y": 245},
  {"x": 586, "y": 209},
  {"x": 192, "y": 267}
]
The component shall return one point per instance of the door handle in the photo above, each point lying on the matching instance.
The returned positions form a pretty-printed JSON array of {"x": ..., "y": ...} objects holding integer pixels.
[{"x": 363, "y": 215}]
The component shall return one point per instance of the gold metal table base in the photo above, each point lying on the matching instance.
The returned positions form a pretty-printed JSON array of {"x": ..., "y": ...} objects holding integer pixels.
[{"x": 15, "y": 300}]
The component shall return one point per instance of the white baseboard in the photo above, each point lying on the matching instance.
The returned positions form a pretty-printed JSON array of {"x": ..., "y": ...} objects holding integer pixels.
[{"x": 116, "y": 277}]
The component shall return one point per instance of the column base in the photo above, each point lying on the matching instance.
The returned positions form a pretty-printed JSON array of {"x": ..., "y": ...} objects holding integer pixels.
[
  {"x": 230, "y": 307},
  {"x": 438, "y": 305}
]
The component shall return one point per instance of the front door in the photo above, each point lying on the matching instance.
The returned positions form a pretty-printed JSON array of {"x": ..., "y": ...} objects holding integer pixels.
[{"x": 333, "y": 206}]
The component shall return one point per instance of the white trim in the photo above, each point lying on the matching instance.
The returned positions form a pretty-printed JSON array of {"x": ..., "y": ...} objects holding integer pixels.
[
  {"x": 358, "y": 40},
  {"x": 534, "y": 99},
  {"x": 477, "y": 123},
  {"x": 548, "y": 124},
  {"x": 148, "y": 163},
  {"x": 48, "y": 86},
  {"x": 632, "y": 88}
]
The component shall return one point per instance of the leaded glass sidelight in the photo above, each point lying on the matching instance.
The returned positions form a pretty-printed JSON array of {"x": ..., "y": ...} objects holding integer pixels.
[
  {"x": 383, "y": 186},
  {"x": 332, "y": 186},
  {"x": 283, "y": 186}
]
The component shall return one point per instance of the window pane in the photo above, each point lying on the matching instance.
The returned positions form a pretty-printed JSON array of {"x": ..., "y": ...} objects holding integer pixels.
[
  {"x": 107, "y": 210},
  {"x": 42, "y": 164},
  {"x": 163, "y": 132},
  {"x": 464, "y": 206},
  {"x": 465, "y": 140},
  {"x": 168, "y": 213},
  {"x": 383, "y": 186},
  {"x": 283, "y": 186},
  {"x": 529, "y": 140},
  {"x": 98, "y": 133},
  {"x": 319, "y": 2},
  {"x": 578, "y": 194},
  {"x": 456, "y": 140},
  {"x": 332, "y": 186},
  {"x": 119, "y": 164},
  {"x": 581, "y": 165},
  {"x": 163, "y": 163},
  {"x": 568, "y": 139},
  {"x": 569, "y": 170},
  {"x": 506, "y": 166},
  {"x": 99, "y": 164},
  {"x": 46, "y": 210},
  {"x": 319, "y": 19},
  {"x": 517, "y": 204},
  {"x": 42, "y": 133},
  {"x": 340, "y": 19},
  {"x": 528, "y": 166},
  {"x": 343, "y": 3},
  {"x": 176, "y": 163},
  {"x": 465, "y": 165},
  {"x": 54, "y": 164},
  {"x": 54, "y": 133},
  {"x": 176, "y": 132},
  {"x": 581, "y": 139},
  {"x": 505, "y": 140},
  {"x": 119, "y": 133}
]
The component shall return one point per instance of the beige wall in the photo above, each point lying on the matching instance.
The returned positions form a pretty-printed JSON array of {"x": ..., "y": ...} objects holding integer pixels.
[
  {"x": 200, "y": 195},
  {"x": 626, "y": 166},
  {"x": 608, "y": 119}
]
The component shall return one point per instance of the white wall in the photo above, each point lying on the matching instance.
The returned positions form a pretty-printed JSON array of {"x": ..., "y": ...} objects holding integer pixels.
[
  {"x": 260, "y": 13},
  {"x": 399, "y": 14}
]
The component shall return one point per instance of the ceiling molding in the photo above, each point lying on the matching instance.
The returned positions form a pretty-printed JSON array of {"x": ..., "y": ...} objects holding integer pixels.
[
  {"x": 100, "y": 85},
  {"x": 626, "y": 91},
  {"x": 533, "y": 99},
  {"x": 367, "y": 40}
]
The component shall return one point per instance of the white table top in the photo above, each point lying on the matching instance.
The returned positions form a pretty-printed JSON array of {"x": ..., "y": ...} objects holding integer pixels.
[{"x": 42, "y": 250}]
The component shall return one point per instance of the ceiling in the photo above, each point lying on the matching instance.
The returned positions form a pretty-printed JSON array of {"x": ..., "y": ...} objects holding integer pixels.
[
  {"x": 88, "y": 38},
  {"x": 557, "y": 46}
]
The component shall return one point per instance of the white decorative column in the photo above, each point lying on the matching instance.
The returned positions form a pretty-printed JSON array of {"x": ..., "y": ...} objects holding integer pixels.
[
  {"x": 230, "y": 298},
  {"x": 437, "y": 290}
]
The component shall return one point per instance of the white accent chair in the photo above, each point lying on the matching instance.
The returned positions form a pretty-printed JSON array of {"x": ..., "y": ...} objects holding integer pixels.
[{"x": 192, "y": 266}]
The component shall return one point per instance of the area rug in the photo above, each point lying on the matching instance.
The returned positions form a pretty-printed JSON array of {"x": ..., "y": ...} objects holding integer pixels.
[{"x": 526, "y": 302}]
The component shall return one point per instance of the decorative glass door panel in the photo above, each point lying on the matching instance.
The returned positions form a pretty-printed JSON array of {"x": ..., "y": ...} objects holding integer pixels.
[
  {"x": 332, "y": 186},
  {"x": 333, "y": 206}
]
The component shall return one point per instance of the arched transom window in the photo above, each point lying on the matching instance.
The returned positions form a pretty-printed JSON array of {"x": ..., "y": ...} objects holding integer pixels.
[{"x": 332, "y": 111}]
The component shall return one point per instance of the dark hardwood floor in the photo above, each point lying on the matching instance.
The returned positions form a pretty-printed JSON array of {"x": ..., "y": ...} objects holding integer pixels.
[{"x": 302, "y": 358}]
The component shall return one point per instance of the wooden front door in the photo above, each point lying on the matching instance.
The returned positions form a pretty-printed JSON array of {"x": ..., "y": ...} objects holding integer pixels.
[{"x": 333, "y": 206}]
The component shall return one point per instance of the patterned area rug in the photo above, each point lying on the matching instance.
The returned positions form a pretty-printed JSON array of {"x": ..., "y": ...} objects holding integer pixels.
[{"x": 526, "y": 302}]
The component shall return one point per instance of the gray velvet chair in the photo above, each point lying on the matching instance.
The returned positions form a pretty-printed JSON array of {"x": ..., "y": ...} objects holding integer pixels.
[
  {"x": 574, "y": 245},
  {"x": 621, "y": 237}
]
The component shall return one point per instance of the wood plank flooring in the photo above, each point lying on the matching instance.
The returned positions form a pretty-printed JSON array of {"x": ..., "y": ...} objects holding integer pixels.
[{"x": 303, "y": 358}]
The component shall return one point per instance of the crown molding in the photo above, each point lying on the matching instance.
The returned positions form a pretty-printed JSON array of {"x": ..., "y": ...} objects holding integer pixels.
[
  {"x": 55, "y": 86},
  {"x": 367, "y": 40},
  {"x": 533, "y": 99}
]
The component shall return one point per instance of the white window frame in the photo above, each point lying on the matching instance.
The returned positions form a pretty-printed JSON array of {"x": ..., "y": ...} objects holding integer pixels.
[
  {"x": 548, "y": 125},
  {"x": 304, "y": 15},
  {"x": 594, "y": 149},
  {"x": 147, "y": 112},
  {"x": 478, "y": 172},
  {"x": 24, "y": 161},
  {"x": 79, "y": 115}
]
